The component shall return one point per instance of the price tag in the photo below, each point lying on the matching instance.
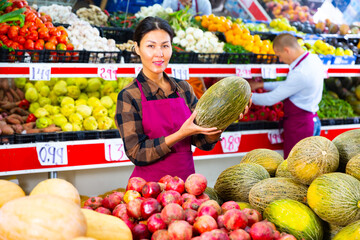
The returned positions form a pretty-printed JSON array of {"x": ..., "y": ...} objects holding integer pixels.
[
  {"x": 230, "y": 141},
  {"x": 107, "y": 73},
  {"x": 243, "y": 71},
  {"x": 52, "y": 153},
  {"x": 180, "y": 72},
  {"x": 275, "y": 136},
  {"x": 114, "y": 150},
  {"x": 40, "y": 73},
  {"x": 268, "y": 72},
  {"x": 137, "y": 70},
  {"x": 326, "y": 73}
]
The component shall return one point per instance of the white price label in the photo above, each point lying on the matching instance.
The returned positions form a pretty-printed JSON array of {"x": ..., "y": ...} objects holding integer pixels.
[
  {"x": 326, "y": 73},
  {"x": 114, "y": 150},
  {"x": 40, "y": 73},
  {"x": 137, "y": 70},
  {"x": 107, "y": 73},
  {"x": 52, "y": 153},
  {"x": 243, "y": 71},
  {"x": 230, "y": 141},
  {"x": 275, "y": 136},
  {"x": 268, "y": 72},
  {"x": 180, "y": 72}
]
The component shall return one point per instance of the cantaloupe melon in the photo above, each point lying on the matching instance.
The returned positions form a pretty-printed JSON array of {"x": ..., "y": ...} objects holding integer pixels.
[
  {"x": 282, "y": 170},
  {"x": 267, "y": 158},
  {"x": 350, "y": 232},
  {"x": 9, "y": 191},
  {"x": 353, "y": 166}
]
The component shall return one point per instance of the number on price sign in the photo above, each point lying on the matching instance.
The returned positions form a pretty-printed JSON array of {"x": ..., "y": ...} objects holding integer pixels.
[
  {"x": 107, "y": 73},
  {"x": 40, "y": 73},
  {"x": 114, "y": 150},
  {"x": 51, "y": 154},
  {"x": 268, "y": 72},
  {"x": 275, "y": 136},
  {"x": 180, "y": 72},
  {"x": 243, "y": 71},
  {"x": 230, "y": 141}
]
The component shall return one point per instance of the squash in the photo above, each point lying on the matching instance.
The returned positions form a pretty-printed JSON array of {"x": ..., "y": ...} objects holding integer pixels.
[
  {"x": 214, "y": 195},
  {"x": 295, "y": 218},
  {"x": 223, "y": 102},
  {"x": 9, "y": 191},
  {"x": 348, "y": 145},
  {"x": 311, "y": 157},
  {"x": 282, "y": 170},
  {"x": 271, "y": 189},
  {"x": 41, "y": 217},
  {"x": 84, "y": 238},
  {"x": 58, "y": 187},
  {"x": 104, "y": 227},
  {"x": 353, "y": 167},
  {"x": 267, "y": 158},
  {"x": 235, "y": 182},
  {"x": 335, "y": 198},
  {"x": 350, "y": 232}
]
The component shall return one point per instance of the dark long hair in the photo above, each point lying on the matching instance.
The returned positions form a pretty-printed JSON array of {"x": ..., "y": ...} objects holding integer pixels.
[{"x": 149, "y": 24}]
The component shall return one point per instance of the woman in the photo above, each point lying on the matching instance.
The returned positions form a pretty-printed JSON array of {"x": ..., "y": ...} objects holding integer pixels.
[
  {"x": 154, "y": 111},
  {"x": 200, "y": 7}
]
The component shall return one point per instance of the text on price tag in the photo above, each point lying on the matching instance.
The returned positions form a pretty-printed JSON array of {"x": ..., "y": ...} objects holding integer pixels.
[
  {"x": 52, "y": 153},
  {"x": 114, "y": 150},
  {"x": 40, "y": 73},
  {"x": 268, "y": 72},
  {"x": 230, "y": 141},
  {"x": 275, "y": 136},
  {"x": 180, "y": 72},
  {"x": 108, "y": 73},
  {"x": 243, "y": 71}
]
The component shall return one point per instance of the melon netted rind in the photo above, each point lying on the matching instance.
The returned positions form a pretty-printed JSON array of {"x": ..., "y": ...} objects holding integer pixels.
[
  {"x": 267, "y": 158},
  {"x": 353, "y": 167},
  {"x": 271, "y": 189},
  {"x": 295, "y": 218},
  {"x": 235, "y": 182},
  {"x": 214, "y": 195},
  {"x": 330, "y": 230},
  {"x": 348, "y": 145},
  {"x": 312, "y": 157},
  {"x": 335, "y": 198},
  {"x": 223, "y": 102},
  {"x": 282, "y": 170},
  {"x": 350, "y": 232}
]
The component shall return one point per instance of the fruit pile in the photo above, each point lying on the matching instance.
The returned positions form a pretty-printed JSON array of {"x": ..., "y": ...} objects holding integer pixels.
[{"x": 292, "y": 10}]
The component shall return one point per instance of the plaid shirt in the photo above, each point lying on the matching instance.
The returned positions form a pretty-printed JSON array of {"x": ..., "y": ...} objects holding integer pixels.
[{"x": 138, "y": 147}]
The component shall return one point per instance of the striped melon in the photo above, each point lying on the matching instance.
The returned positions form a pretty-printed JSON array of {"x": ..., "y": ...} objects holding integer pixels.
[
  {"x": 295, "y": 218},
  {"x": 353, "y": 167},
  {"x": 335, "y": 198},
  {"x": 223, "y": 102},
  {"x": 282, "y": 170},
  {"x": 214, "y": 195},
  {"x": 271, "y": 189},
  {"x": 348, "y": 145},
  {"x": 350, "y": 232},
  {"x": 267, "y": 158},
  {"x": 243, "y": 205},
  {"x": 235, "y": 182},
  {"x": 330, "y": 230},
  {"x": 312, "y": 157}
]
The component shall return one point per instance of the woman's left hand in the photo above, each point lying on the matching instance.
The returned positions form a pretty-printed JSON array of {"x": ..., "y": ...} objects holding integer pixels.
[{"x": 246, "y": 109}]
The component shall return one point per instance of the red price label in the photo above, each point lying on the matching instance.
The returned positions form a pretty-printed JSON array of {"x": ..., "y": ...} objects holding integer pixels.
[
  {"x": 108, "y": 73},
  {"x": 114, "y": 150},
  {"x": 230, "y": 141},
  {"x": 275, "y": 136}
]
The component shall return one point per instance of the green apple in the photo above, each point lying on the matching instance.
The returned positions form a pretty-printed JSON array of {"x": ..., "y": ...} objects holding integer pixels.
[
  {"x": 90, "y": 124},
  {"x": 67, "y": 109}
]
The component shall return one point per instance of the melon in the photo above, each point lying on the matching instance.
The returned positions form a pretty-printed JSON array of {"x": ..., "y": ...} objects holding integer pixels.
[
  {"x": 223, "y": 103},
  {"x": 9, "y": 191},
  {"x": 282, "y": 170},
  {"x": 267, "y": 158},
  {"x": 235, "y": 182},
  {"x": 312, "y": 157},
  {"x": 348, "y": 145},
  {"x": 243, "y": 205},
  {"x": 295, "y": 218},
  {"x": 353, "y": 167},
  {"x": 335, "y": 198},
  {"x": 350, "y": 232},
  {"x": 330, "y": 230},
  {"x": 214, "y": 195},
  {"x": 271, "y": 189}
]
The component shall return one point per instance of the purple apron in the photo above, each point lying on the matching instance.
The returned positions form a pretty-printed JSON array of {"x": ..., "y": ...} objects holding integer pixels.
[
  {"x": 196, "y": 3},
  {"x": 162, "y": 118}
]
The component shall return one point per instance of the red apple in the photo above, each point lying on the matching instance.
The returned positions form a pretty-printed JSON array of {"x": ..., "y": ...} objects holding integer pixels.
[{"x": 253, "y": 216}]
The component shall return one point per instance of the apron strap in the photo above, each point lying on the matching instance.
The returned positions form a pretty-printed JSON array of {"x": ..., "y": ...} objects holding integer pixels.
[
  {"x": 302, "y": 59},
  {"x": 197, "y": 6},
  {"x": 143, "y": 98}
]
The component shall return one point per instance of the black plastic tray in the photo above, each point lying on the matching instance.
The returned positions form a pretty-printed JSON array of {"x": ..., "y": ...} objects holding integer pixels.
[{"x": 120, "y": 35}]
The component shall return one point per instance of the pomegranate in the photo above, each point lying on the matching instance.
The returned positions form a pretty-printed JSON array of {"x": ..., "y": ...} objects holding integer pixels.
[
  {"x": 197, "y": 238},
  {"x": 165, "y": 179},
  {"x": 220, "y": 221},
  {"x": 195, "y": 184},
  {"x": 155, "y": 223},
  {"x": 162, "y": 186},
  {"x": 93, "y": 202},
  {"x": 87, "y": 207},
  {"x": 136, "y": 184},
  {"x": 208, "y": 210},
  {"x": 211, "y": 203},
  {"x": 215, "y": 234},
  {"x": 204, "y": 223},
  {"x": 262, "y": 231},
  {"x": 190, "y": 215},
  {"x": 161, "y": 235},
  {"x": 235, "y": 219},
  {"x": 171, "y": 212},
  {"x": 103, "y": 210},
  {"x": 151, "y": 190},
  {"x": 286, "y": 236},
  {"x": 133, "y": 208},
  {"x": 180, "y": 230},
  {"x": 252, "y": 215},
  {"x": 187, "y": 196},
  {"x": 239, "y": 234},
  {"x": 120, "y": 210},
  {"x": 130, "y": 223},
  {"x": 148, "y": 207},
  {"x": 112, "y": 200},
  {"x": 170, "y": 196},
  {"x": 130, "y": 195},
  {"x": 191, "y": 203},
  {"x": 140, "y": 231},
  {"x": 176, "y": 184},
  {"x": 203, "y": 197},
  {"x": 229, "y": 205}
]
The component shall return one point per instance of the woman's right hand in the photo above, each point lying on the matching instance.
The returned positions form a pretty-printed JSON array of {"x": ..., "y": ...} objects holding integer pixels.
[{"x": 189, "y": 128}]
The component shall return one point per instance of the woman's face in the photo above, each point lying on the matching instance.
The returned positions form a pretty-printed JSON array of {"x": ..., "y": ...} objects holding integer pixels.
[{"x": 155, "y": 51}]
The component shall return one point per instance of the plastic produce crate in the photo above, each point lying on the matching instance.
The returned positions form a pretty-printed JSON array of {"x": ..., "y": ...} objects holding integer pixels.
[
  {"x": 120, "y": 35},
  {"x": 36, "y": 137},
  {"x": 326, "y": 59},
  {"x": 102, "y": 57},
  {"x": 238, "y": 58},
  {"x": 61, "y": 56},
  {"x": 7, "y": 139},
  {"x": 26, "y": 56},
  {"x": 209, "y": 58}
]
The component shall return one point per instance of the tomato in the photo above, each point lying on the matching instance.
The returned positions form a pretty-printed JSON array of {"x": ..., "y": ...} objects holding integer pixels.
[
  {"x": 43, "y": 19},
  {"x": 21, "y": 40},
  {"x": 68, "y": 56},
  {"x": 55, "y": 32},
  {"x": 30, "y": 16},
  {"x": 50, "y": 46},
  {"x": 8, "y": 9},
  {"x": 33, "y": 35},
  {"x": 8, "y": 43},
  {"x": 13, "y": 32},
  {"x": 39, "y": 23},
  {"x": 49, "y": 25},
  {"x": 29, "y": 44},
  {"x": 62, "y": 39},
  {"x": 39, "y": 44},
  {"x": 32, "y": 28},
  {"x": 61, "y": 46},
  {"x": 14, "y": 45},
  {"x": 69, "y": 46},
  {"x": 4, "y": 38},
  {"x": 44, "y": 34},
  {"x": 53, "y": 40},
  {"x": 23, "y": 31},
  {"x": 4, "y": 28}
]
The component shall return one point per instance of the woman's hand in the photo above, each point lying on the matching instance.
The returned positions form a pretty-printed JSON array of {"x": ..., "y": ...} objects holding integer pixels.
[
  {"x": 189, "y": 128},
  {"x": 246, "y": 109}
]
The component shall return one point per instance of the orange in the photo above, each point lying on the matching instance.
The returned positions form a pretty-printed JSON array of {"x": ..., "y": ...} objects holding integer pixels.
[
  {"x": 205, "y": 23},
  {"x": 229, "y": 38},
  {"x": 198, "y": 18},
  {"x": 264, "y": 49},
  {"x": 221, "y": 28},
  {"x": 229, "y": 32},
  {"x": 256, "y": 49},
  {"x": 211, "y": 17},
  {"x": 246, "y": 31},
  {"x": 213, "y": 27},
  {"x": 249, "y": 48},
  {"x": 237, "y": 31},
  {"x": 204, "y": 17},
  {"x": 236, "y": 41},
  {"x": 257, "y": 38}
]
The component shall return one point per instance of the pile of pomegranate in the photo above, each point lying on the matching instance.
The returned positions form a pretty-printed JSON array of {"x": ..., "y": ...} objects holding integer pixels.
[{"x": 177, "y": 210}]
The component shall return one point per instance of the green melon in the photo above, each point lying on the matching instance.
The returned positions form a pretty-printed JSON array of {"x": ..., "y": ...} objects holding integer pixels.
[
  {"x": 267, "y": 158},
  {"x": 223, "y": 102},
  {"x": 350, "y": 232},
  {"x": 295, "y": 218},
  {"x": 335, "y": 198},
  {"x": 312, "y": 157},
  {"x": 235, "y": 182},
  {"x": 282, "y": 170},
  {"x": 271, "y": 189},
  {"x": 353, "y": 167},
  {"x": 330, "y": 230},
  {"x": 348, "y": 145},
  {"x": 243, "y": 205},
  {"x": 214, "y": 195}
]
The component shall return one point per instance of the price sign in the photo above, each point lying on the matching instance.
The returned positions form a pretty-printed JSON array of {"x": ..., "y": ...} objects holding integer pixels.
[
  {"x": 275, "y": 136},
  {"x": 230, "y": 141},
  {"x": 40, "y": 73},
  {"x": 107, "y": 73},
  {"x": 180, "y": 72},
  {"x": 137, "y": 70},
  {"x": 243, "y": 71},
  {"x": 52, "y": 153},
  {"x": 268, "y": 72},
  {"x": 326, "y": 73},
  {"x": 114, "y": 150}
]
